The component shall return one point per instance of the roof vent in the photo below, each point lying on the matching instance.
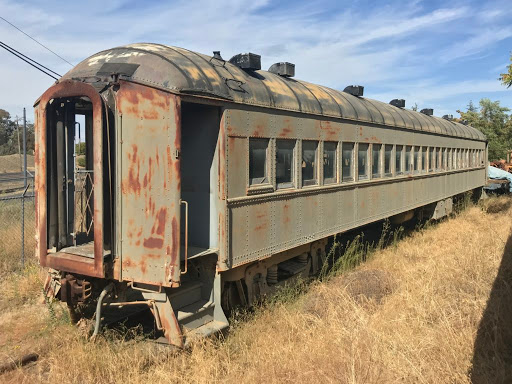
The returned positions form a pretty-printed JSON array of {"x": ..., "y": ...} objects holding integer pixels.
[
  {"x": 448, "y": 117},
  {"x": 427, "y": 111},
  {"x": 400, "y": 103},
  {"x": 284, "y": 69},
  {"x": 216, "y": 55},
  {"x": 249, "y": 61},
  {"x": 354, "y": 90}
]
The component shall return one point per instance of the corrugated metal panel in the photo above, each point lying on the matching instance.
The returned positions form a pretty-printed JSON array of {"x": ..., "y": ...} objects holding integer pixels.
[{"x": 184, "y": 71}]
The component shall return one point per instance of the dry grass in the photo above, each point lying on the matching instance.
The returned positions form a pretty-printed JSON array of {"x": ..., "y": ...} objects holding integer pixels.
[
  {"x": 419, "y": 312},
  {"x": 11, "y": 235},
  {"x": 13, "y": 163}
]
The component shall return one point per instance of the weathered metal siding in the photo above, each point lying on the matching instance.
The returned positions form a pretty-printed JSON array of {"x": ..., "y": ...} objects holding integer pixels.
[
  {"x": 264, "y": 224},
  {"x": 149, "y": 185}
]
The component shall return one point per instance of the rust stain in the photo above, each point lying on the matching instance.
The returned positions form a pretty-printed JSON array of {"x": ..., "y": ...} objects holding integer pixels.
[
  {"x": 174, "y": 242},
  {"x": 153, "y": 242},
  {"x": 285, "y": 132},
  {"x": 261, "y": 227},
  {"x": 132, "y": 183},
  {"x": 161, "y": 218}
]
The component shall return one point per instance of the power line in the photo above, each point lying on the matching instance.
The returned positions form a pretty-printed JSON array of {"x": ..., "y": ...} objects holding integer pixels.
[
  {"x": 42, "y": 45},
  {"x": 28, "y": 60},
  {"x": 26, "y": 57}
]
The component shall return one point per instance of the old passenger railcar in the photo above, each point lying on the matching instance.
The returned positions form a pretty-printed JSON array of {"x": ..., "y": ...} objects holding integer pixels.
[{"x": 207, "y": 182}]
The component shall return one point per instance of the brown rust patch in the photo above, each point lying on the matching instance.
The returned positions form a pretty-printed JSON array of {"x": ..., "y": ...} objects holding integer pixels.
[
  {"x": 132, "y": 183},
  {"x": 153, "y": 243}
]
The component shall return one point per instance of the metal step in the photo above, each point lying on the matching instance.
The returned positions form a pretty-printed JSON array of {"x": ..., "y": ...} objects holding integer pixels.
[
  {"x": 205, "y": 330},
  {"x": 196, "y": 314},
  {"x": 187, "y": 294}
]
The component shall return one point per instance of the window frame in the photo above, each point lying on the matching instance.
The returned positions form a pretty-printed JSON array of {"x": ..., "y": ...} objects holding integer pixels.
[
  {"x": 315, "y": 180},
  {"x": 400, "y": 171},
  {"x": 377, "y": 175},
  {"x": 334, "y": 179},
  {"x": 352, "y": 167},
  {"x": 267, "y": 179},
  {"x": 365, "y": 176},
  {"x": 390, "y": 173},
  {"x": 409, "y": 160},
  {"x": 293, "y": 178}
]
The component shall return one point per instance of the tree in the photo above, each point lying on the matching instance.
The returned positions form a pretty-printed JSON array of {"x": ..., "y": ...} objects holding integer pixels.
[
  {"x": 9, "y": 134},
  {"x": 506, "y": 78},
  {"x": 494, "y": 122}
]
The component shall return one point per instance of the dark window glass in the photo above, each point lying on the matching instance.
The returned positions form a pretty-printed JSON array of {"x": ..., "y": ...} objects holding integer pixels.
[
  {"x": 438, "y": 158},
  {"x": 309, "y": 162},
  {"x": 444, "y": 159},
  {"x": 376, "y": 150},
  {"x": 258, "y": 161},
  {"x": 330, "y": 162},
  {"x": 285, "y": 163},
  {"x": 432, "y": 158},
  {"x": 388, "y": 150},
  {"x": 408, "y": 159},
  {"x": 424, "y": 159},
  {"x": 449, "y": 159},
  {"x": 362, "y": 161},
  {"x": 398, "y": 159},
  {"x": 417, "y": 157},
  {"x": 347, "y": 169}
]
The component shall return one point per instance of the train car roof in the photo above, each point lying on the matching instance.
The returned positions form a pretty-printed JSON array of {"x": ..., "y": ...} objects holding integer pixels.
[{"x": 182, "y": 71}]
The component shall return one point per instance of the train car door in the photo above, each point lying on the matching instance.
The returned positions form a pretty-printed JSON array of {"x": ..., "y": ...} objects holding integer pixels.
[{"x": 149, "y": 184}]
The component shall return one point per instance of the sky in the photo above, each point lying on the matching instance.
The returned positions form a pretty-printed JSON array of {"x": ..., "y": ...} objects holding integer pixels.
[{"x": 436, "y": 54}]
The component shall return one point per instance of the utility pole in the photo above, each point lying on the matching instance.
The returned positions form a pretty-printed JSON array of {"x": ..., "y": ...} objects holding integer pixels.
[
  {"x": 24, "y": 146},
  {"x": 19, "y": 146}
]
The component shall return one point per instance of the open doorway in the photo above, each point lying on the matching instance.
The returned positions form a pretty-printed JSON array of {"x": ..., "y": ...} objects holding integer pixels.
[
  {"x": 70, "y": 177},
  {"x": 199, "y": 175}
]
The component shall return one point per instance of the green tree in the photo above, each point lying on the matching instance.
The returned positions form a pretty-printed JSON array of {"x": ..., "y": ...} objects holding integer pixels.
[
  {"x": 494, "y": 122},
  {"x": 506, "y": 78}
]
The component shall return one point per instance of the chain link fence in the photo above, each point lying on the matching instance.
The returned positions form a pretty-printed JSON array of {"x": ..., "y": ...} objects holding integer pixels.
[{"x": 17, "y": 221}]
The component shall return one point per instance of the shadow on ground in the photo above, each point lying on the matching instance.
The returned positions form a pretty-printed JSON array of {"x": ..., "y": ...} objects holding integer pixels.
[{"x": 492, "y": 356}]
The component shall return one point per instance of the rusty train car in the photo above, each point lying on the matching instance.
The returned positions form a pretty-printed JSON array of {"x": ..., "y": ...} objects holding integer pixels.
[{"x": 205, "y": 183}]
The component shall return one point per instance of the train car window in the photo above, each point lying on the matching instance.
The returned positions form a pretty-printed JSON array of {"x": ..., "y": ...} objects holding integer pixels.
[
  {"x": 376, "y": 151},
  {"x": 258, "y": 153},
  {"x": 408, "y": 159},
  {"x": 330, "y": 162},
  {"x": 285, "y": 163},
  {"x": 398, "y": 159},
  {"x": 449, "y": 159},
  {"x": 454, "y": 158},
  {"x": 444, "y": 159},
  {"x": 417, "y": 158},
  {"x": 439, "y": 157},
  {"x": 347, "y": 159},
  {"x": 482, "y": 158},
  {"x": 459, "y": 158},
  {"x": 388, "y": 151},
  {"x": 362, "y": 161},
  {"x": 466, "y": 158},
  {"x": 423, "y": 159},
  {"x": 309, "y": 162},
  {"x": 432, "y": 159}
]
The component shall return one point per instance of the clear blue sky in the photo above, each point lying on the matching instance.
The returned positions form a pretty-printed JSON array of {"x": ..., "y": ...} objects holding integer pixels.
[{"x": 438, "y": 54}]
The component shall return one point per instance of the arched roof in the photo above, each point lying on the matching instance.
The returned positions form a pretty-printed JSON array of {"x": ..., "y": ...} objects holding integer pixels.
[{"x": 183, "y": 71}]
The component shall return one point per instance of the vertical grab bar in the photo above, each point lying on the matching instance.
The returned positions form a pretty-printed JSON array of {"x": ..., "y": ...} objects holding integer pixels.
[{"x": 186, "y": 236}]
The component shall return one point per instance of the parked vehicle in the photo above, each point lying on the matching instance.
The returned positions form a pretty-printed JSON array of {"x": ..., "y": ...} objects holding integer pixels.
[{"x": 209, "y": 182}]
